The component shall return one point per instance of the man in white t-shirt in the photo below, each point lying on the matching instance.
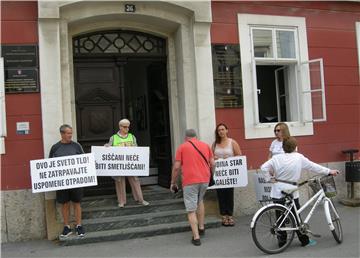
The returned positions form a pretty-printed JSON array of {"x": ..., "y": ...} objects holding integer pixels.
[{"x": 288, "y": 167}]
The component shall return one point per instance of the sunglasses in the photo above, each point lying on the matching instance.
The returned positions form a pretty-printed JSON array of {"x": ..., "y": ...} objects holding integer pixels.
[{"x": 277, "y": 130}]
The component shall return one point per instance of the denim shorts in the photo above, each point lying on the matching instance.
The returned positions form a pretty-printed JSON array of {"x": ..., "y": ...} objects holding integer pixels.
[{"x": 193, "y": 195}]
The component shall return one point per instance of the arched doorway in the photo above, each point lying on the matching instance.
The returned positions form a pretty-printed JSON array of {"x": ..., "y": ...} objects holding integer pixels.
[{"x": 117, "y": 74}]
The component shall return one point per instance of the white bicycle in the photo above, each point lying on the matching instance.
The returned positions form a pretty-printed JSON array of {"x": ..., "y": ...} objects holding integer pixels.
[{"x": 273, "y": 221}]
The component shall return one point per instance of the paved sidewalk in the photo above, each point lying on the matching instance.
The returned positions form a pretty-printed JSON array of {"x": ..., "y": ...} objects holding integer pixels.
[{"x": 220, "y": 242}]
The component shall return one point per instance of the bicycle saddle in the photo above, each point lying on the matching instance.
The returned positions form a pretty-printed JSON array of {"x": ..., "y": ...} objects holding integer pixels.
[{"x": 289, "y": 192}]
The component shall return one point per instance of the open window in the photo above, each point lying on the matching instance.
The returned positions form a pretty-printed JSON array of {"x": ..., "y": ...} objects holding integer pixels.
[
  {"x": 283, "y": 84},
  {"x": 316, "y": 92}
]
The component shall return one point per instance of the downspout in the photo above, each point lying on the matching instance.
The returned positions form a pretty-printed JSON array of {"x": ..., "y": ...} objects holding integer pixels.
[{"x": 2, "y": 108}]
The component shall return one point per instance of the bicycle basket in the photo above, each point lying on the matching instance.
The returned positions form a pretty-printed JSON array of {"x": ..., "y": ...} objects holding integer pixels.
[{"x": 327, "y": 183}]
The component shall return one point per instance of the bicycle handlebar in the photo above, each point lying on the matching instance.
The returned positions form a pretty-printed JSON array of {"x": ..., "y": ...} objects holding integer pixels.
[{"x": 302, "y": 183}]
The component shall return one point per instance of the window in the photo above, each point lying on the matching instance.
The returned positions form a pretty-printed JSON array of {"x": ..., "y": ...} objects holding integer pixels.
[
  {"x": 227, "y": 76},
  {"x": 275, "y": 73},
  {"x": 279, "y": 82}
]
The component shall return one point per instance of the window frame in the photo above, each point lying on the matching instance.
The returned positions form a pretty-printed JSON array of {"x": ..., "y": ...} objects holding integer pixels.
[
  {"x": 275, "y": 57},
  {"x": 321, "y": 89},
  {"x": 254, "y": 129}
]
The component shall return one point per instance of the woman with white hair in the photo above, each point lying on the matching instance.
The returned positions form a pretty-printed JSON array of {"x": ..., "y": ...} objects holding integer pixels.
[{"x": 125, "y": 139}]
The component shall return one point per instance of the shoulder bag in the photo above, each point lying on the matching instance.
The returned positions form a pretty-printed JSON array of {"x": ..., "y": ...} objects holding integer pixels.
[{"x": 211, "y": 180}]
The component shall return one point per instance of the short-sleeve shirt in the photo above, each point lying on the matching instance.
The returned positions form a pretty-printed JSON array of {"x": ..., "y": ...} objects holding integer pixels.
[
  {"x": 194, "y": 168},
  {"x": 276, "y": 147},
  {"x": 60, "y": 149}
]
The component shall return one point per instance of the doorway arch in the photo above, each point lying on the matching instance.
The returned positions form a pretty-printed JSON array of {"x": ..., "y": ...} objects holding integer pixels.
[{"x": 117, "y": 74}]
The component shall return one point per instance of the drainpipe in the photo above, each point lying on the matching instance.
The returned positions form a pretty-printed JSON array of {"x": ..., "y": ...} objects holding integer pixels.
[{"x": 2, "y": 108}]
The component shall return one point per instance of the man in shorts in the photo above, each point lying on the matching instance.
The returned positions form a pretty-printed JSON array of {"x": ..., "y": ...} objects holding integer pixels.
[
  {"x": 195, "y": 180},
  {"x": 67, "y": 147}
]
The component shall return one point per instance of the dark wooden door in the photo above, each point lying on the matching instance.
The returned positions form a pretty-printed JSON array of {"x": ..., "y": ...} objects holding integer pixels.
[
  {"x": 159, "y": 122},
  {"x": 99, "y": 103}
]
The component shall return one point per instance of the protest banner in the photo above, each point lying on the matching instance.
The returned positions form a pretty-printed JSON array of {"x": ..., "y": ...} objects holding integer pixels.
[
  {"x": 262, "y": 188},
  {"x": 230, "y": 172},
  {"x": 121, "y": 161},
  {"x": 63, "y": 173}
]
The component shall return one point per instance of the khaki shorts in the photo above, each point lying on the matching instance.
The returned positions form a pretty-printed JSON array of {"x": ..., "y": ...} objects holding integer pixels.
[{"x": 193, "y": 195}]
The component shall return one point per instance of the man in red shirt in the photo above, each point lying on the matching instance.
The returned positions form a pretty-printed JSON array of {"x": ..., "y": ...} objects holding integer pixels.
[{"x": 195, "y": 179}]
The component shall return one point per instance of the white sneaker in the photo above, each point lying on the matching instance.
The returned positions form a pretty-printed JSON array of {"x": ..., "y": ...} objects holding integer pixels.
[
  {"x": 145, "y": 203},
  {"x": 121, "y": 205}
]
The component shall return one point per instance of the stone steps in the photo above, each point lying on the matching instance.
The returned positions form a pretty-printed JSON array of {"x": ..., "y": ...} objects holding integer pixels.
[
  {"x": 136, "y": 220},
  {"x": 103, "y": 220},
  {"x": 136, "y": 232},
  {"x": 114, "y": 210},
  {"x": 109, "y": 189},
  {"x": 108, "y": 200}
]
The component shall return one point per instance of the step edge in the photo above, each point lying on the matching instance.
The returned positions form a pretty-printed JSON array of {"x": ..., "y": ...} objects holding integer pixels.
[
  {"x": 134, "y": 230},
  {"x": 126, "y": 217},
  {"x": 153, "y": 203}
]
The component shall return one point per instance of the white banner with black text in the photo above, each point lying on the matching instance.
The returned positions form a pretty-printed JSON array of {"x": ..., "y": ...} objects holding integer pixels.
[
  {"x": 230, "y": 172},
  {"x": 63, "y": 173},
  {"x": 121, "y": 161}
]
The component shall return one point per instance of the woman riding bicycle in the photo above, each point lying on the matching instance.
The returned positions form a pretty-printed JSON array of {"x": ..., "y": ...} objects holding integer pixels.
[{"x": 287, "y": 167}]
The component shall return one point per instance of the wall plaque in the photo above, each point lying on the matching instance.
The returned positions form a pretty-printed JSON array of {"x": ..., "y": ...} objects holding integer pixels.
[
  {"x": 21, "y": 68},
  {"x": 19, "y": 55},
  {"x": 21, "y": 80}
]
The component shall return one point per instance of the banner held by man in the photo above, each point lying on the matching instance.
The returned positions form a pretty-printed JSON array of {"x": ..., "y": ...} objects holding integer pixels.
[{"x": 63, "y": 173}]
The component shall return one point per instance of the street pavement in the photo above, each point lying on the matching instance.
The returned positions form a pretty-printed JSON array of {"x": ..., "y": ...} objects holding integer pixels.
[{"x": 219, "y": 242}]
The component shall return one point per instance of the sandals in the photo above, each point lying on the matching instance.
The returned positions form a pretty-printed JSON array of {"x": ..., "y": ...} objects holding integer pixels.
[
  {"x": 231, "y": 221},
  {"x": 227, "y": 221}
]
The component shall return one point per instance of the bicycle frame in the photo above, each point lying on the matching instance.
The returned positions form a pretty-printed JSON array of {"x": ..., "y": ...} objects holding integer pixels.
[{"x": 317, "y": 198}]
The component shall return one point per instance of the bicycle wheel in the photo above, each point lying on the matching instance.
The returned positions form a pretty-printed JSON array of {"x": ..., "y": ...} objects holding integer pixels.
[
  {"x": 337, "y": 231},
  {"x": 265, "y": 231}
]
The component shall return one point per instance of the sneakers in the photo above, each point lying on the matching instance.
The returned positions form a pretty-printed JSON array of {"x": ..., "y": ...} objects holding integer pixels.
[
  {"x": 80, "y": 230},
  {"x": 312, "y": 242},
  {"x": 195, "y": 242},
  {"x": 145, "y": 203},
  {"x": 121, "y": 205},
  {"x": 66, "y": 232}
]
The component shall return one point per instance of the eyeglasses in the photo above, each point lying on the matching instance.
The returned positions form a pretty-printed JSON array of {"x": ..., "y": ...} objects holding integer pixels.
[
  {"x": 277, "y": 130},
  {"x": 125, "y": 126}
]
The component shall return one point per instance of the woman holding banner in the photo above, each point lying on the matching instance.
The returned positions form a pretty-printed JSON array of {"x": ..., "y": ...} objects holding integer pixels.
[
  {"x": 125, "y": 139},
  {"x": 281, "y": 132},
  {"x": 225, "y": 147}
]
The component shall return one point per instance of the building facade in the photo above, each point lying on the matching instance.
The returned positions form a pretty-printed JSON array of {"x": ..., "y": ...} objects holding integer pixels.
[{"x": 169, "y": 66}]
